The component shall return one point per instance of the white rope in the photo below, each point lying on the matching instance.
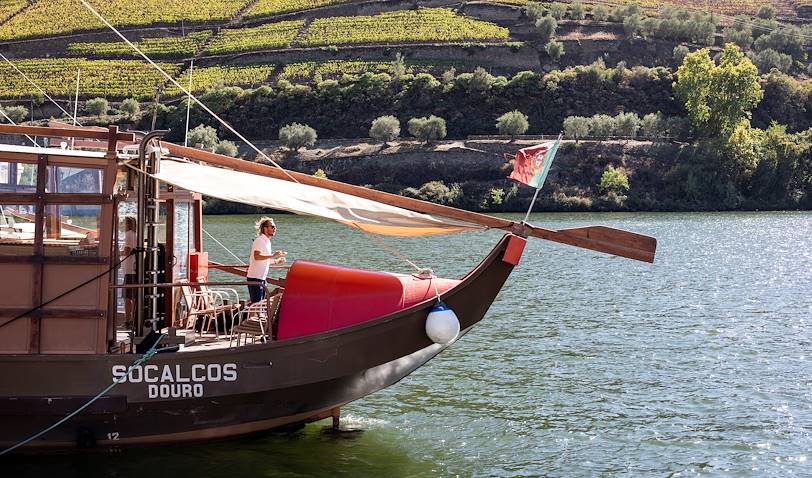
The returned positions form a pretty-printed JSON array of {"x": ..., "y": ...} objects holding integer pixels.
[
  {"x": 15, "y": 124},
  {"x": 184, "y": 90},
  {"x": 36, "y": 85},
  {"x": 223, "y": 246}
]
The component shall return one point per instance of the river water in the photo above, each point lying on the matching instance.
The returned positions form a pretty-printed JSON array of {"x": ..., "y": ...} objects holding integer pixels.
[{"x": 586, "y": 364}]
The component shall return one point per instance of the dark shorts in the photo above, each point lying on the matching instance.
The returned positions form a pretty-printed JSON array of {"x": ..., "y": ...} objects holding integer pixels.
[
  {"x": 130, "y": 293},
  {"x": 257, "y": 292}
]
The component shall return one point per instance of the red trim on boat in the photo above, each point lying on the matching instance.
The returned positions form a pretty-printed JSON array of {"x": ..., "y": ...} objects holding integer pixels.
[{"x": 514, "y": 250}]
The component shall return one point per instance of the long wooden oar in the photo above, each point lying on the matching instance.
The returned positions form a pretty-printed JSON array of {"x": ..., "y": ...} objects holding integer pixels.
[{"x": 597, "y": 238}]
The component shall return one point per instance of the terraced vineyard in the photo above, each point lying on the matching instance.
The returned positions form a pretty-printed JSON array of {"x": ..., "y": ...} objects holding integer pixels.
[
  {"x": 272, "y": 35},
  {"x": 725, "y": 7},
  {"x": 424, "y": 25},
  {"x": 54, "y": 17},
  {"x": 211, "y": 76},
  {"x": 306, "y": 71},
  {"x": 10, "y": 7},
  {"x": 276, "y": 7},
  {"x": 169, "y": 47},
  {"x": 105, "y": 78}
]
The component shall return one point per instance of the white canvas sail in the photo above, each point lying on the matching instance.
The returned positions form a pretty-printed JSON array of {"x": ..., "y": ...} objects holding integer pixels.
[{"x": 247, "y": 188}]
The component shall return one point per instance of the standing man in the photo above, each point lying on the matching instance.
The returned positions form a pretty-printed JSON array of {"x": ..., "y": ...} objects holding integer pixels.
[{"x": 262, "y": 257}]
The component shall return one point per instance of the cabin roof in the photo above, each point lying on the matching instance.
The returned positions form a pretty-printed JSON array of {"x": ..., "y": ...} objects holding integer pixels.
[{"x": 12, "y": 148}]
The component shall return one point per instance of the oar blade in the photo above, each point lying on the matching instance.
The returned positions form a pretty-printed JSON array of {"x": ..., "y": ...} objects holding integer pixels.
[{"x": 603, "y": 239}]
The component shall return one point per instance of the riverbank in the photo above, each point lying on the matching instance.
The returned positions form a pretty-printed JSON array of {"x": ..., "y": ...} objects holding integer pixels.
[{"x": 473, "y": 174}]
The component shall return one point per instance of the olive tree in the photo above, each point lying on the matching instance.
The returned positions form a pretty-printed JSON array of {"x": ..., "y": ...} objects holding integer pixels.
[
  {"x": 97, "y": 106},
  {"x": 427, "y": 129},
  {"x": 16, "y": 114},
  {"x": 385, "y": 128},
  {"x": 512, "y": 123},
  {"x": 294, "y": 136},
  {"x": 576, "y": 127},
  {"x": 205, "y": 135}
]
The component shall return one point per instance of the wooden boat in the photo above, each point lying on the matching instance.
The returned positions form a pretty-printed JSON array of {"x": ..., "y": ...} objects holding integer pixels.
[{"x": 332, "y": 334}]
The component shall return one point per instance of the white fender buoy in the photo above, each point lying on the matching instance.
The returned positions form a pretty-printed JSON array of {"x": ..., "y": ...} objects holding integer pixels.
[{"x": 442, "y": 324}]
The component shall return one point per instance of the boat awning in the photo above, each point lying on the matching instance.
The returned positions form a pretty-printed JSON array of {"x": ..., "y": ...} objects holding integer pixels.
[{"x": 247, "y": 188}]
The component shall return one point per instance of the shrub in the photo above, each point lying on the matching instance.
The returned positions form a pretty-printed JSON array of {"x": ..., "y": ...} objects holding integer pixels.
[
  {"x": 320, "y": 174},
  {"x": 545, "y": 26},
  {"x": 205, "y": 135},
  {"x": 766, "y": 12},
  {"x": 130, "y": 107},
  {"x": 512, "y": 123},
  {"x": 436, "y": 192},
  {"x": 398, "y": 66},
  {"x": 17, "y": 114},
  {"x": 427, "y": 129},
  {"x": 227, "y": 148},
  {"x": 600, "y": 13},
  {"x": 614, "y": 180},
  {"x": 97, "y": 106},
  {"x": 680, "y": 52},
  {"x": 558, "y": 10},
  {"x": 577, "y": 11},
  {"x": 293, "y": 136},
  {"x": 555, "y": 49},
  {"x": 385, "y": 128},
  {"x": 576, "y": 127},
  {"x": 632, "y": 25}
]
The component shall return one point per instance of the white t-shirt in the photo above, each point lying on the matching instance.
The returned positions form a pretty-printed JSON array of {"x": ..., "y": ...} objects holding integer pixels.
[
  {"x": 130, "y": 239},
  {"x": 258, "y": 269}
]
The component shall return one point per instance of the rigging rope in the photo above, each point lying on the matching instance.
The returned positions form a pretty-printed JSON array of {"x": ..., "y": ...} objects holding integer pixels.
[
  {"x": 35, "y": 85},
  {"x": 223, "y": 246},
  {"x": 184, "y": 90},
  {"x": 144, "y": 358},
  {"x": 15, "y": 124}
]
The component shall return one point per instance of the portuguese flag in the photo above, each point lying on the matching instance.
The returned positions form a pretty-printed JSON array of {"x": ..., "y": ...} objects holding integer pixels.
[{"x": 533, "y": 163}]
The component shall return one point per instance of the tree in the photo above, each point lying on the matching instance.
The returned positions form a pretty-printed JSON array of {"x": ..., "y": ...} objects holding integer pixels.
[
  {"x": 205, "y": 135},
  {"x": 614, "y": 180},
  {"x": 227, "y": 148},
  {"x": 600, "y": 13},
  {"x": 632, "y": 25},
  {"x": 293, "y": 136},
  {"x": 512, "y": 123},
  {"x": 576, "y": 127},
  {"x": 717, "y": 97},
  {"x": 97, "y": 106},
  {"x": 627, "y": 124},
  {"x": 545, "y": 26},
  {"x": 427, "y": 129},
  {"x": 555, "y": 49},
  {"x": 768, "y": 59},
  {"x": 17, "y": 114},
  {"x": 602, "y": 126},
  {"x": 130, "y": 107},
  {"x": 651, "y": 125},
  {"x": 320, "y": 174},
  {"x": 385, "y": 128}
]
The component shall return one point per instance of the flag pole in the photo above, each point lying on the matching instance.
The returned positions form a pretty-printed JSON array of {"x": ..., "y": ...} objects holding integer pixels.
[{"x": 536, "y": 194}]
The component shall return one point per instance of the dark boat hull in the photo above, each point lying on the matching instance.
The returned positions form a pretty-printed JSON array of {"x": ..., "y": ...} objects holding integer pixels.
[{"x": 227, "y": 392}]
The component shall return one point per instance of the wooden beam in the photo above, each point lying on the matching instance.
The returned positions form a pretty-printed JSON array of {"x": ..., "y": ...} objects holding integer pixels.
[{"x": 66, "y": 132}]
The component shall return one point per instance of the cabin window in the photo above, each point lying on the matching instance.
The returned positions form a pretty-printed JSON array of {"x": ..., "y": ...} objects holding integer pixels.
[
  {"x": 17, "y": 229},
  {"x": 74, "y": 179},
  {"x": 72, "y": 230},
  {"x": 18, "y": 177}
]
